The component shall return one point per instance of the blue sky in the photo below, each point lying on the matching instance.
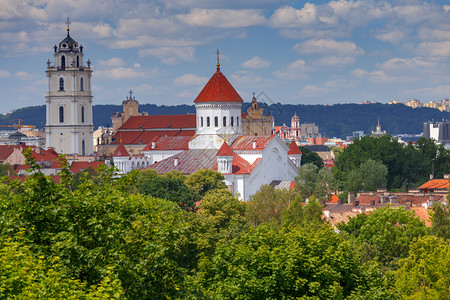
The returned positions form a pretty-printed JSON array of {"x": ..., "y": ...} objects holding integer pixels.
[{"x": 318, "y": 52}]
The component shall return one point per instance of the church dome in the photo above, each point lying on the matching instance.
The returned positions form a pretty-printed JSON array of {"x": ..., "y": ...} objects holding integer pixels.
[
  {"x": 68, "y": 43},
  {"x": 218, "y": 89}
]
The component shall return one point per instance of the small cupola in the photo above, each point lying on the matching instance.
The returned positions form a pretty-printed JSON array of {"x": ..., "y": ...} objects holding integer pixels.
[
  {"x": 225, "y": 159},
  {"x": 68, "y": 44},
  {"x": 295, "y": 154}
]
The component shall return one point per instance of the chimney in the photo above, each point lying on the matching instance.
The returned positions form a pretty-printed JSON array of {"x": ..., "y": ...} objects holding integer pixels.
[
  {"x": 446, "y": 176},
  {"x": 254, "y": 145},
  {"x": 340, "y": 201},
  {"x": 327, "y": 213},
  {"x": 355, "y": 203},
  {"x": 153, "y": 145},
  {"x": 175, "y": 161},
  {"x": 351, "y": 197},
  {"x": 372, "y": 202},
  {"x": 37, "y": 150},
  {"x": 431, "y": 176},
  {"x": 384, "y": 199}
]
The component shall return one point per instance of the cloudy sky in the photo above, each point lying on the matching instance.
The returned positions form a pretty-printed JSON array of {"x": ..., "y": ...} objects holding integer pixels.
[{"x": 318, "y": 52}]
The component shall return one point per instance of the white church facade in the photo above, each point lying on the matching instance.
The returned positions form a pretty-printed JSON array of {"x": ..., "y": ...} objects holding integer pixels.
[
  {"x": 247, "y": 162},
  {"x": 69, "y": 123}
]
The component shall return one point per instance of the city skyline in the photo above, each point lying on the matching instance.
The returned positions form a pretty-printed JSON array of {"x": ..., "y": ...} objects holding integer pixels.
[{"x": 319, "y": 52}]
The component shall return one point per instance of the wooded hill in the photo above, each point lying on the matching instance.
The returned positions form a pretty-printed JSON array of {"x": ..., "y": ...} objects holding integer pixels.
[{"x": 338, "y": 120}]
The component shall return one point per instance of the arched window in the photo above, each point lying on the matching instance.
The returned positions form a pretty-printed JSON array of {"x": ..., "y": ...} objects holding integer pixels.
[
  {"x": 216, "y": 121},
  {"x": 224, "y": 121},
  {"x": 208, "y": 122},
  {"x": 81, "y": 84},
  {"x": 78, "y": 61},
  {"x": 237, "y": 121},
  {"x": 63, "y": 61},
  {"x": 61, "y": 84},
  {"x": 201, "y": 121},
  {"x": 232, "y": 122},
  {"x": 61, "y": 114},
  {"x": 82, "y": 114},
  {"x": 83, "y": 147}
]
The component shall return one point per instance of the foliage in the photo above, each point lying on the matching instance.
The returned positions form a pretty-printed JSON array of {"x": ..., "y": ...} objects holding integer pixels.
[
  {"x": 425, "y": 273},
  {"x": 370, "y": 176},
  {"x": 312, "y": 181},
  {"x": 170, "y": 186},
  {"x": 407, "y": 166},
  {"x": 309, "y": 156},
  {"x": 289, "y": 263},
  {"x": 205, "y": 180},
  {"x": 386, "y": 233},
  {"x": 5, "y": 169},
  {"x": 440, "y": 216}
]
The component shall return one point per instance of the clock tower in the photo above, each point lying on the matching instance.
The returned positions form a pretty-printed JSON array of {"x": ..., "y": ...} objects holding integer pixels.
[{"x": 69, "y": 127}]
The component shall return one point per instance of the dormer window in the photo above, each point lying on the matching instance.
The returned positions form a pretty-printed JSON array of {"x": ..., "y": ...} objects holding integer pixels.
[{"x": 64, "y": 45}]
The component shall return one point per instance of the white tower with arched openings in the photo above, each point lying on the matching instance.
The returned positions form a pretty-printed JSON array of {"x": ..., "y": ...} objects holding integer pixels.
[{"x": 69, "y": 125}]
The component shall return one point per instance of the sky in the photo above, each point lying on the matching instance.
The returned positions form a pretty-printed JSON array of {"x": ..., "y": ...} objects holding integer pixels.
[{"x": 292, "y": 52}]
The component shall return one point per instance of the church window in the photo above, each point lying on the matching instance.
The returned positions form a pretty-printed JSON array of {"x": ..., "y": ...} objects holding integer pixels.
[
  {"x": 82, "y": 114},
  {"x": 63, "y": 61},
  {"x": 216, "y": 121},
  {"x": 61, "y": 84},
  {"x": 78, "y": 61},
  {"x": 232, "y": 121},
  {"x": 201, "y": 121},
  {"x": 81, "y": 84},
  {"x": 224, "y": 121},
  {"x": 61, "y": 114},
  {"x": 208, "y": 123},
  {"x": 83, "y": 147}
]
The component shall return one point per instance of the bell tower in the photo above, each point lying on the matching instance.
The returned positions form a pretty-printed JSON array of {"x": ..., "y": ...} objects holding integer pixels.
[{"x": 69, "y": 127}]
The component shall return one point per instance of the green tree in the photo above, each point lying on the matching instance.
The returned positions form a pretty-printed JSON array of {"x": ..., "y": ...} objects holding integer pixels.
[
  {"x": 386, "y": 233},
  {"x": 309, "y": 156},
  {"x": 440, "y": 216},
  {"x": 205, "y": 180},
  {"x": 425, "y": 273},
  {"x": 5, "y": 169},
  {"x": 314, "y": 181},
  {"x": 170, "y": 186},
  {"x": 370, "y": 176}
]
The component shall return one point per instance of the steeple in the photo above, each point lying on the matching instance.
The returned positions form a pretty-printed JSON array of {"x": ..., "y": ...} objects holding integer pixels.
[{"x": 218, "y": 63}]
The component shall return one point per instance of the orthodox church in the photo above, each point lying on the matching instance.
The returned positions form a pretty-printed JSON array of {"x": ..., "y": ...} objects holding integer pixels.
[
  {"x": 218, "y": 143},
  {"x": 69, "y": 125}
]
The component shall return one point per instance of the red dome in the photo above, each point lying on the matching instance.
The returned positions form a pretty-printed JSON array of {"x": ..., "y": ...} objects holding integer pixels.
[{"x": 218, "y": 89}]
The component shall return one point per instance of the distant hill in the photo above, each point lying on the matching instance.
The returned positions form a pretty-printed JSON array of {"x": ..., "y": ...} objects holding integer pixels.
[{"x": 337, "y": 120}]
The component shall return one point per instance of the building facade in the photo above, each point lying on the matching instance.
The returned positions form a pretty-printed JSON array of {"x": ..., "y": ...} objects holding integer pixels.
[
  {"x": 255, "y": 123},
  {"x": 69, "y": 124}
]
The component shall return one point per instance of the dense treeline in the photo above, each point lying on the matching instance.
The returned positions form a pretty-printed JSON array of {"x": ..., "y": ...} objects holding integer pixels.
[
  {"x": 100, "y": 236},
  {"x": 338, "y": 120}
]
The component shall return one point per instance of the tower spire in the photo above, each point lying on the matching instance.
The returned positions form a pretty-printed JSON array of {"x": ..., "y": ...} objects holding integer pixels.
[
  {"x": 68, "y": 25},
  {"x": 218, "y": 63}
]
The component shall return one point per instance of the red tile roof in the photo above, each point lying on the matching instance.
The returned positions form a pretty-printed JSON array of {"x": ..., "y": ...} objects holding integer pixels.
[
  {"x": 246, "y": 142},
  {"x": 224, "y": 150},
  {"x": 189, "y": 161},
  {"x": 145, "y": 137},
  {"x": 160, "y": 122},
  {"x": 169, "y": 143},
  {"x": 218, "y": 89},
  {"x": 80, "y": 166},
  {"x": 435, "y": 184},
  {"x": 44, "y": 155},
  {"x": 422, "y": 213},
  {"x": 293, "y": 148},
  {"x": 7, "y": 150},
  {"x": 121, "y": 151}
]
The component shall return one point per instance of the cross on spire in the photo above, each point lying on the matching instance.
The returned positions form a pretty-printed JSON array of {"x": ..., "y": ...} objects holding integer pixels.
[
  {"x": 68, "y": 24},
  {"x": 218, "y": 63},
  {"x": 131, "y": 94}
]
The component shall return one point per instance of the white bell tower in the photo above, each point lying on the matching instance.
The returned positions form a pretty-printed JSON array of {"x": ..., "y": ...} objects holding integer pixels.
[{"x": 69, "y": 127}]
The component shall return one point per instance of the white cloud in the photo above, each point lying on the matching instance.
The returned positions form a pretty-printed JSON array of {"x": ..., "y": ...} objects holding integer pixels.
[
  {"x": 381, "y": 76},
  {"x": 359, "y": 73},
  {"x": 394, "y": 37},
  {"x": 4, "y": 74},
  {"x": 295, "y": 70},
  {"x": 23, "y": 75},
  {"x": 334, "y": 61},
  {"x": 111, "y": 63},
  {"x": 441, "y": 91},
  {"x": 290, "y": 17},
  {"x": 400, "y": 64},
  {"x": 435, "y": 48},
  {"x": 187, "y": 94},
  {"x": 246, "y": 79},
  {"x": 170, "y": 55},
  {"x": 314, "y": 90},
  {"x": 434, "y": 34},
  {"x": 190, "y": 79},
  {"x": 328, "y": 46},
  {"x": 121, "y": 73},
  {"x": 148, "y": 89},
  {"x": 223, "y": 18},
  {"x": 256, "y": 63}
]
